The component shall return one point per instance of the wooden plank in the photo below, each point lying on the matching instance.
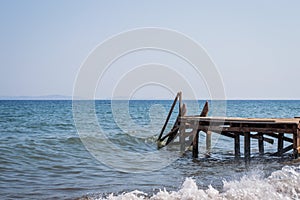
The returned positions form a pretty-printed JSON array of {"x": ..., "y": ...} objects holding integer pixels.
[
  {"x": 218, "y": 129},
  {"x": 244, "y": 120},
  {"x": 286, "y": 149},
  {"x": 171, "y": 136},
  {"x": 168, "y": 118},
  {"x": 228, "y": 134},
  {"x": 284, "y": 138}
]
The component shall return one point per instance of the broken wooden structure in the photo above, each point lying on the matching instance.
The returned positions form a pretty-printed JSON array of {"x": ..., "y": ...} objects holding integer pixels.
[{"x": 186, "y": 129}]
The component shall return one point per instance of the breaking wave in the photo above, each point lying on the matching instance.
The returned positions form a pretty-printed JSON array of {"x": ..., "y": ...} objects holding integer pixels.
[{"x": 281, "y": 184}]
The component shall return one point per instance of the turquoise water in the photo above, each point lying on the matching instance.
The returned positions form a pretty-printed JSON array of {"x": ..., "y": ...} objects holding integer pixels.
[{"x": 42, "y": 156}]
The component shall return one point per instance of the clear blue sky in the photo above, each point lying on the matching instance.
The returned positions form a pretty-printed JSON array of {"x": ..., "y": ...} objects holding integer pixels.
[{"x": 255, "y": 44}]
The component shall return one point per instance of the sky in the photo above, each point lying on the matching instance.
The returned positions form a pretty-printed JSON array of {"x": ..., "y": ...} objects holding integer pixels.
[{"x": 255, "y": 45}]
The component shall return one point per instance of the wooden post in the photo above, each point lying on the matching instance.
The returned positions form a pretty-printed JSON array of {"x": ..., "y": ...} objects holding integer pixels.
[
  {"x": 247, "y": 145},
  {"x": 182, "y": 112},
  {"x": 182, "y": 138},
  {"x": 237, "y": 151},
  {"x": 208, "y": 143},
  {"x": 280, "y": 144},
  {"x": 205, "y": 110},
  {"x": 295, "y": 151},
  {"x": 195, "y": 145},
  {"x": 180, "y": 104},
  {"x": 261, "y": 143},
  {"x": 296, "y": 141}
]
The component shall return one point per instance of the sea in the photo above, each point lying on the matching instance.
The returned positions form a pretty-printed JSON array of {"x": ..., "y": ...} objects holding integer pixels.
[{"x": 45, "y": 153}]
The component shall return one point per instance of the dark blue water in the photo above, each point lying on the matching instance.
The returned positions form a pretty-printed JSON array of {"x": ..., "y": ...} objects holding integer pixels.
[{"x": 42, "y": 156}]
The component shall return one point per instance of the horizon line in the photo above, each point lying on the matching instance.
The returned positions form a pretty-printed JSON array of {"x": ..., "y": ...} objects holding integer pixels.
[{"x": 70, "y": 98}]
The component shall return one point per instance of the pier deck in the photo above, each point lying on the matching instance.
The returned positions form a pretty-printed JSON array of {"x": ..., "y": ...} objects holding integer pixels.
[{"x": 187, "y": 129}]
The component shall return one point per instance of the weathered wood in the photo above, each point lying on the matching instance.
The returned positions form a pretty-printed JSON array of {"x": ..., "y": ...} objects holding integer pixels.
[
  {"x": 295, "y": 150},
  {"x": 168, "y": 118},
  {"x": 187, "y": 128},
  {"x": 196, "y": 145},
  {"x": 247, "y": 145},
  {"x": 172, "y": 135},
  {"x": 208, "y": 144},
  {"x": 227, "y": 134},
  {"x": 280, "y": 144},
  {"x": 257, "y": 136},
  {"x": 298, "y": 138},
  {"x": 232, "y": 135},
  {"x": 181, "y": 139},
  {"x": 217, "y": 129},
  {"x": 205, "y": 110},
  {"x": 225, "y": 120},
  {"x": 261, "y": 143},
  {"x": 237, "y": 151},
  {"x": 180, "y": 104},
  {"x": 182, "y": 112},
  {"x": 296, "y": 141},
  {"x": 284, "y": 150},
  {"x": 284, "y": 138}
]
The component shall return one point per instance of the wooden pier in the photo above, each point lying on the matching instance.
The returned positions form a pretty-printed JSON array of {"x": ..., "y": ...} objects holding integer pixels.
[{"x": 185, "y": 131}]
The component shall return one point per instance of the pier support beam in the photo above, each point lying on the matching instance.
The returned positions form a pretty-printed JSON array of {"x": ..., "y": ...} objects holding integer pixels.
[
  {"x": 247, "y": 145},
  {"x": 237, "y": 151},
  {"x": 261, "y": 143},
  {"x": 296, "y": 141},
  {"x": 195, "y": 145},
  {"x": 208, "y": 144},
  {"x": 182, "y": 138},
  {"x": 280, "y": 144}
]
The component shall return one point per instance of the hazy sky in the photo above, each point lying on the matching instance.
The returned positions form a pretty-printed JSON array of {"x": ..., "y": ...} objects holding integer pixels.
[{"x": 255, "y": 44}]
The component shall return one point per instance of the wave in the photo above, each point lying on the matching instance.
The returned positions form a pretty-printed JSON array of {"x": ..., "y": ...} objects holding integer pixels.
[{"x": 281, "y": 184}]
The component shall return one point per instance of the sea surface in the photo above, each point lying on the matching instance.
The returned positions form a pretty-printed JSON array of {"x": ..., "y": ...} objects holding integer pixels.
[{"x": 42, "y": 156}]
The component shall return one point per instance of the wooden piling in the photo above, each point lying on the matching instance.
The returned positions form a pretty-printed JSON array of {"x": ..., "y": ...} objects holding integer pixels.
[
  {"x": 280, "y": 144},
  {"x": 182, "y": 112},
  {"x": 196, "y": 145},
  {"x": 237, "y": 151},
  {"x": 296, "y": 141},
  {"x": 261, "y": 143},
  {"x": 182, "y": 139},
  {"x": 247, "y": 145},
  {"x": 180, "y": 104},
  {"x": 208, "y": 144}
]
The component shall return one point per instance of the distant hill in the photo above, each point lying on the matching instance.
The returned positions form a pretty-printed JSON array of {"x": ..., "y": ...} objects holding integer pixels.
[{"x": 45, "y": 97}]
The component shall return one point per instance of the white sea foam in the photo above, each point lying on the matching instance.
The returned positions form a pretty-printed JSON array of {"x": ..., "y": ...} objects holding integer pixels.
[{"x": 281, "y": 184}]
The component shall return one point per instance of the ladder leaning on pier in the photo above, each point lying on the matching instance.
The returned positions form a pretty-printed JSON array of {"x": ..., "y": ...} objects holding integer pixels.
[{"x": 261, "y": 129}]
